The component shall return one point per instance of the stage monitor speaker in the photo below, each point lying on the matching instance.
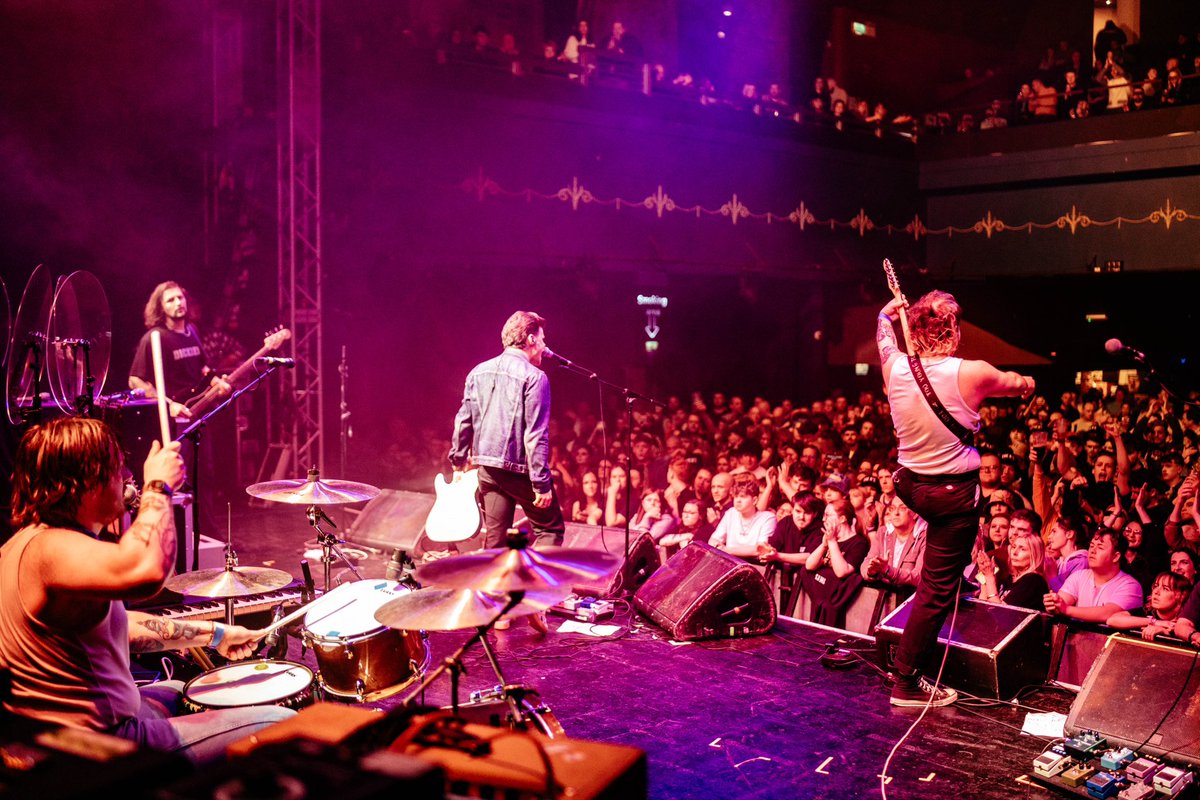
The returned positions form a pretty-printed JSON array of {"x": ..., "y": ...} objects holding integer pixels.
[
  {"x": 996, "y": 649},
  {"x": 704, "y": 593},
  {"x": 393, "y": 519},
  {"x": 635, "y": 571},
  {"x": 1136, "y": 687}
]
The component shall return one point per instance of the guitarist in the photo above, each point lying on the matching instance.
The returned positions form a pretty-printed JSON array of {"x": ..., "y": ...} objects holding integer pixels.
[
  {"x": 185, "y": 367},
  {"x": 503, "y": 427},
  {"x": 935, "y": 399}
]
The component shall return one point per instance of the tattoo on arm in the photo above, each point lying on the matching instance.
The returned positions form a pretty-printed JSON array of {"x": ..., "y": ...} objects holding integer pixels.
[
  {"x": 885, "y": 338},
  {"x": 155, "y": 518},
  {"x": 162, "y": 634}
]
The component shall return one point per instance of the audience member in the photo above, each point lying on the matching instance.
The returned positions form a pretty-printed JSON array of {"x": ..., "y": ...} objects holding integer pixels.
[
  {"x": 743, "y": 528},
  {"x": 831, "y": 576},
  {"x": 1160, "y": 615},
  {"x": 1098, "y": 592}
]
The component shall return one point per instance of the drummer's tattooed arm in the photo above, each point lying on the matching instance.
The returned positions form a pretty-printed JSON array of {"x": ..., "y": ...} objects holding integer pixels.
[
  {"x": 151, "y": 634},
  {"x": 155, "y": 526}
]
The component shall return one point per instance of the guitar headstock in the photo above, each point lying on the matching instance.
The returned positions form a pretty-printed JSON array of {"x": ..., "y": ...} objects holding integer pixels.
[
  {"x": 276, "y": 338},
  {"x": 890, "y": 272}
]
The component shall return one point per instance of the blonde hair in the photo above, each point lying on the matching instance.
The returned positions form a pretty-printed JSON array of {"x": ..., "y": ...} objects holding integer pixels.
[
  {"x": 1037, "y": 551},
  {"x": 933, "y": 324}
]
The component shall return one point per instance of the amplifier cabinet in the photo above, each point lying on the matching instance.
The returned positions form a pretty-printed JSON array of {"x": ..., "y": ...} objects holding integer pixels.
[{"x": 996, "y": 650}]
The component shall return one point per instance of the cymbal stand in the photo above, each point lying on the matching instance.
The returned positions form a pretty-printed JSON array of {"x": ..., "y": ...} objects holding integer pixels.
[
  {"x": 453, "y": 663},
  {"x": 329, "y": 542},
  {"x": 231, "y": 561}
]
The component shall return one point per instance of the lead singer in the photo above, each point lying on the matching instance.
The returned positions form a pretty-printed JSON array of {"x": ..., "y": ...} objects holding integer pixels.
[
  {"x": 503, "y": 426},
  {"x": 939, "y": 468}
]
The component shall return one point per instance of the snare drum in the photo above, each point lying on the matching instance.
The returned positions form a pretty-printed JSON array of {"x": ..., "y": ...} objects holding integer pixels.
[
  {"x": 250, "y": 683},
  {"x": 357, "y": 657}
]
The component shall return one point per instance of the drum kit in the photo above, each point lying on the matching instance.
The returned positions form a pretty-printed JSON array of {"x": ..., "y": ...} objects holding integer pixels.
[{"x": 370, "y": 636}]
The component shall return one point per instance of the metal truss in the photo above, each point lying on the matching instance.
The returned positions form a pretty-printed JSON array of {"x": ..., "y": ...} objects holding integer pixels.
[{"x": 299, "y": 425}]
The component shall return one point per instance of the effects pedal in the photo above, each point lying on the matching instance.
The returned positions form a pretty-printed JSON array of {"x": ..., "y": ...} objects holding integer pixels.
[
  {"x": 1085, "y": 745},
  {"x": 584, "y": 609},
  {"x": 1143, "y": 770},
  {"x": 1117, "y": 759},
  {"x": 1051, "y": 762},
  {"x": 1077, "y": 775},
  {"x": 1172, "y": 780},
  {"x": 1104, "y": 785},
  {"x": 1138, "y": 791}
]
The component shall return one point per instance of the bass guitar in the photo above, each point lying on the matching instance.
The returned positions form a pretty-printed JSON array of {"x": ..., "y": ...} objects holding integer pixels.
[{"x": 211, "y": 395}]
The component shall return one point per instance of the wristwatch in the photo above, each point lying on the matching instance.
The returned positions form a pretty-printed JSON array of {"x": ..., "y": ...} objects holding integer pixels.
[{"x": 160, "y": 486}]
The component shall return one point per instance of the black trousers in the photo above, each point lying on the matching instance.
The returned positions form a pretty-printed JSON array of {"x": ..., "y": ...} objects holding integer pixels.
[
  {"x": 501, "y": 491},
  {"x": 948, "y": 503}
]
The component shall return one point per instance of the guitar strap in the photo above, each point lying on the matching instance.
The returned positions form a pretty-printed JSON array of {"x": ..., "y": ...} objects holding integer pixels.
[{"x": 964, "y": 434}]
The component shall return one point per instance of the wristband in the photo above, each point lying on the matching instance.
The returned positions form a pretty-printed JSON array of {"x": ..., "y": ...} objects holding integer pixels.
[
  {"x": 160, "y": 486},
  {"x": 218, "y": 635},
  {"x": 885, "y": 316}
]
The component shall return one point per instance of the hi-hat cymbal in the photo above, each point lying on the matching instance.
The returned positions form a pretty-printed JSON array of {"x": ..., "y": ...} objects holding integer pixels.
[
  {"x": 313, "y": 492},
  {"x": 235, "y": 582},
  {"x": 455, "y": 609},
  {"x": 504, "y": 569}
]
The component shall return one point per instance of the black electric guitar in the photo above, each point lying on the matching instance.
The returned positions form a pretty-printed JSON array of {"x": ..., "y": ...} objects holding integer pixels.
[{"x": 211, "y": 395}]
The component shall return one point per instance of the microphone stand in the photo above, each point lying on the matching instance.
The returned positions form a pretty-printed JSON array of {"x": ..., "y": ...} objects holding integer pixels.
[
  {"x": 630, "y": 398},
  {"x": 193, "y": 433}
]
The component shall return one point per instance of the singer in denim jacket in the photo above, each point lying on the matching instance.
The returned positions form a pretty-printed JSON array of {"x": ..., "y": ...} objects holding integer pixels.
[{"x": 502, "y": 427}]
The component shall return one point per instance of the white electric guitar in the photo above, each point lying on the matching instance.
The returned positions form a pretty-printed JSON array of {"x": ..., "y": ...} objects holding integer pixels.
[{"x": 455, "y": 515}]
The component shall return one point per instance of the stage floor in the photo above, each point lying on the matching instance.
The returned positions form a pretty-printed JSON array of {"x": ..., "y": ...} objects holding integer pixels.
[{"x": 757, "y": 717}]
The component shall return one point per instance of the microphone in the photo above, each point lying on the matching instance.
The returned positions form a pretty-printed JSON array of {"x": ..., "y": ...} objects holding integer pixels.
[
  {"x": 1114, "y": 347},
  {"x": 548, "y": 353},
  {"x": 273, "y": 361}
]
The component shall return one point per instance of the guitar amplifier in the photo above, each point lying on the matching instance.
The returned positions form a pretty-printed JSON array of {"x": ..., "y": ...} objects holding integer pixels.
[{"x": 704, "y": 593}]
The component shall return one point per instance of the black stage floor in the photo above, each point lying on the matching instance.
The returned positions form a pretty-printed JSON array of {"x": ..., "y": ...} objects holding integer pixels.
[{"x": 757, "y": 717}]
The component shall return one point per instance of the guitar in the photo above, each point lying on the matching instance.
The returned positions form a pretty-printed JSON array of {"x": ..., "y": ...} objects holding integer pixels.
[
  {"x": 894, "y": 285},
  {"x": 211, "y": 395},
  {"x": 455, "y": 515}
]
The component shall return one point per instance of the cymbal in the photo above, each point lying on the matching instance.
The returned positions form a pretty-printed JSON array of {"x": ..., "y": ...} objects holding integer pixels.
[
  {"x": 234, "y": 582},
  {"x": 504, "y": 569},
  {"x": 454, "y": 609},
  {"x": 313, "y": 492}
]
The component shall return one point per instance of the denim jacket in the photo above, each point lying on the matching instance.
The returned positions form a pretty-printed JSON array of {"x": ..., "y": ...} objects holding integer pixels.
[{"x": 504, "y": 420}]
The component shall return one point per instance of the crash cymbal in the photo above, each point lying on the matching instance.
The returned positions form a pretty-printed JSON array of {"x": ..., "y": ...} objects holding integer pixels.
[
  {"x": 543, "y": 571},
  {"x": 235, "y": 582},
  {"x": 455, "y": 609},
  {"x": 313, "y": 491}
]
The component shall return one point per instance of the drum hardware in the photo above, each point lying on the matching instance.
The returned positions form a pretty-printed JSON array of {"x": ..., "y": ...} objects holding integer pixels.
[
  {"x": 495, "y": 707},
  {"x": 509, "y": 574},
  {"x": 314, "y": 492}
]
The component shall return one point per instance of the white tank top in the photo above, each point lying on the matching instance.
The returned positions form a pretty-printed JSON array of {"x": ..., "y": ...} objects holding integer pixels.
[{"x": 926, "y": 445}]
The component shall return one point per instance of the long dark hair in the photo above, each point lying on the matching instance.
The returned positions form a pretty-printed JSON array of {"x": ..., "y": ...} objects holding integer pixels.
[
  {"x": 56, "y": 464},
  {"x": 154, "y": 315}
]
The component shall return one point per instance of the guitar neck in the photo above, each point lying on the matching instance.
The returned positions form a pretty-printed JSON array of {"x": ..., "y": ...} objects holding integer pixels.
[{"x": 202, "y": 401}]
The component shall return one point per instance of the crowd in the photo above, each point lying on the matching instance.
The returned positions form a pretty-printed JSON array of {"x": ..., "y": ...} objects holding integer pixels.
[
  {"x": 1065, "y": 84},
  {"x": 1123, "y": 77},
  {"x": 1088, "y": 510}
]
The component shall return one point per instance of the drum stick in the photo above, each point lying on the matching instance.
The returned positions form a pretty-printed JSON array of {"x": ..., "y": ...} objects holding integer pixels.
[
  {"x": 299, "y": 612},
  {"x": 160, "y": 386}
]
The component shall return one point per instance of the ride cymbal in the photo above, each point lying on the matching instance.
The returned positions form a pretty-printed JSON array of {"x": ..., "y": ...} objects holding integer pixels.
[{"x": 313, "y": 491}]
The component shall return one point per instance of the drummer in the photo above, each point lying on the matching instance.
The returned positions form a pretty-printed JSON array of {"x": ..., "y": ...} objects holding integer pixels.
[
  {"x": 185, "y": 367},
  {"x": 65, "y": 636}
]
